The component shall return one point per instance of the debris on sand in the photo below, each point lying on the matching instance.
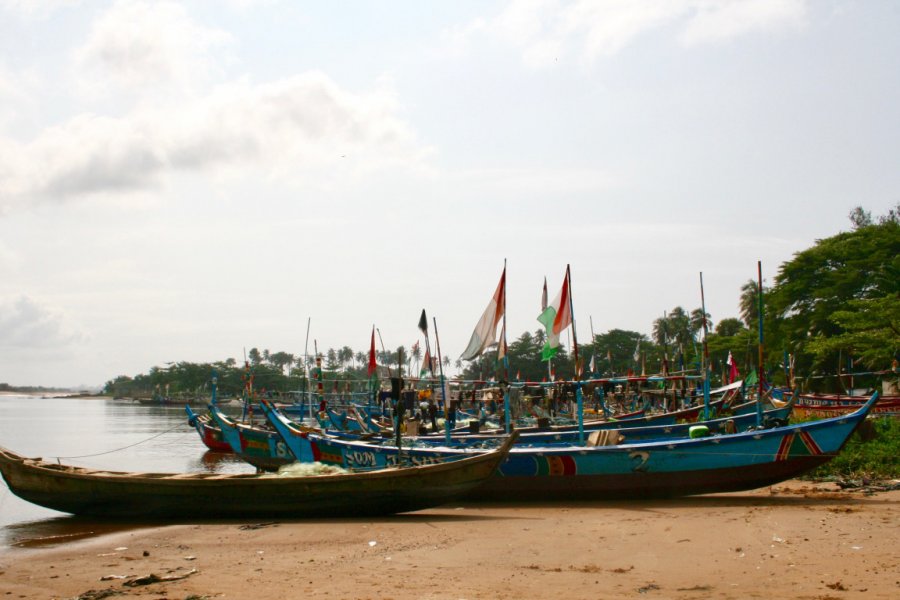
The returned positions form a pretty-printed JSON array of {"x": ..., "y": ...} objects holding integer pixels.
[
  {"x": 257, "y": 526},
  {"x": 152, "y": 578},
  {"x": 98, "y": 594}
]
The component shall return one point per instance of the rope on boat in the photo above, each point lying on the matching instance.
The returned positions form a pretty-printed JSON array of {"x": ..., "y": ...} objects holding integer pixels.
[{"x": 58, "y": 458}]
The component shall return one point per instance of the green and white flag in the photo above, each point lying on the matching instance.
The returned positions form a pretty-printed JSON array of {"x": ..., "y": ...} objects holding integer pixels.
[{"x": 555, "y": 318}]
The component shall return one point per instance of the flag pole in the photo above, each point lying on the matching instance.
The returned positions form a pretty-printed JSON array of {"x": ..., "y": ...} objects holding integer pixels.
[
  {"x": 759, "y": 397},
  {"x": 506, "y": 416},
  {"x": 579, "y": 395},
  {"x": 306, "y": 371},
  {"x": 437, "y": 342},
  {"x": 387, "y": 363},
  {"x": 593, "y": 341},
  {"x": 705, "y": 354}
]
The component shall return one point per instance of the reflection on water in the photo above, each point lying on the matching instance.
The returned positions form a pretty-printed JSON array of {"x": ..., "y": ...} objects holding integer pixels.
[
  {"x": 97, "y": 433},
  {"x": 216, "y": 462}
]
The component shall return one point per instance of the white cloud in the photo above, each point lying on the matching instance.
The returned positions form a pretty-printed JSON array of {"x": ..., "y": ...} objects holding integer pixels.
[
  {"x": 547, "y": 30},
  {"x": 290, "y": 128},
  {"x": 140, "y": 45},
  {"x": 26, "y": 324},
  {"x": 722, "y": 20}
]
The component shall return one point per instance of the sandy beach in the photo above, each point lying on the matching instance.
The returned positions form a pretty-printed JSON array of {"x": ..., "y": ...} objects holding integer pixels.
[{"x": 794, "y": 540}]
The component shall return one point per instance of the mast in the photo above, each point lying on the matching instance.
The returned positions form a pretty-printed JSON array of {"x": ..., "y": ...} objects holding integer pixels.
[
  {"x": 506, "y": 415},
  {"x": 759, "y": 397},
  {"x": 705, "y": 353},
  {"x": 593, "y": 342},
  {"x": 387, "y": 362},
  {"x": 306, "y": 371},
  {"x": 437, "y": 342},
  {"x": 579, "y": 396}
]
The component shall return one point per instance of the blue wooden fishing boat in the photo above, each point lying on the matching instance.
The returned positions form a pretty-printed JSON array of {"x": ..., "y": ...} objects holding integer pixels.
[
  {"x": 262, "y": 448},
  {"x": 668, "y": 468},
  {"x": 210, "y": 434}
]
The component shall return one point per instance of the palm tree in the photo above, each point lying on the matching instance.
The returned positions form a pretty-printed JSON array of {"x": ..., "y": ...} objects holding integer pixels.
[
  {"x": 749, "y": 303},
  {"x": 660, "y": 330},
  {"x": 416, "y": 353},
  {"x": 345, "y": 355},
  {"x": 697, "y": 322}
]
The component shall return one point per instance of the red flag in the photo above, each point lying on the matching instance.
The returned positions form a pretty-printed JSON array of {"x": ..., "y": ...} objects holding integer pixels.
[
  {"x": 732, "y": 368},
  {"x": 486, "y": 329},
  {"x": 564, "y": 312},
  {"x": 372, "y": 364},
  {"x": 427, "y": 364}
]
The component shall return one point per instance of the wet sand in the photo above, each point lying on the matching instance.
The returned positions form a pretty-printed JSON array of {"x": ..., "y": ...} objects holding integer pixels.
[{"x": 795, "y": 540}]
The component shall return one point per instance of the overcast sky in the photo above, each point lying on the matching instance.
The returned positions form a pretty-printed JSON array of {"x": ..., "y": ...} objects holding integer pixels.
[{"x": 184, "y": 180}]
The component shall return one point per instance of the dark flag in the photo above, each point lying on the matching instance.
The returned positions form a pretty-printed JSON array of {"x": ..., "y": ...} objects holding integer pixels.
[{"x": 423, "y": 323}]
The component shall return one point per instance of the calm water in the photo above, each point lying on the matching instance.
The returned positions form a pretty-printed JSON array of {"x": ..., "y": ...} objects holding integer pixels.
[{"x": 96, "y": 433}]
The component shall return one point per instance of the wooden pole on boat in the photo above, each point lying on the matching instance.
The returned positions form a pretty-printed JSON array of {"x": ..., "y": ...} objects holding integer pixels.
[
  {"x": 759, "y": 397},
  {"x": 306, "y": 371},
  {"x": 507, "y": 424},
  {"x": 579, "y": 395},
  {"x": 705, "y": 353},
  {"x": 437, "y": 342},
  {"x": 387, "y": 362}
]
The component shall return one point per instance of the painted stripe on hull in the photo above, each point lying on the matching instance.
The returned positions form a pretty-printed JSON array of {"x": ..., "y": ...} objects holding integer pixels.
[{"x": 644, "y": 485}]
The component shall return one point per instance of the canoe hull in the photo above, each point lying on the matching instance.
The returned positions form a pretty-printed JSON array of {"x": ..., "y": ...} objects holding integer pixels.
[
  {"x": 652, "y": 469},
  {"x": 153, "y": 496},
  {"x": 646, "y": 485},
  {"x": 210, "y": 435}
]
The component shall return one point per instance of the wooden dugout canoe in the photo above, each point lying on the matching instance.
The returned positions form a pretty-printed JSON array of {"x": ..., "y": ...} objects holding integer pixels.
[{"x": 112, "y": 494}]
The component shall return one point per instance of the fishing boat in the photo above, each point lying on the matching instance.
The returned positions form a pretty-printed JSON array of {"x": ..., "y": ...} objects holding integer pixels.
[
  {"x": 262, "y": 448},
  {"x": 729, "y": 424},
  {"x": 210, "y": 434},
  {"x": 829, "y": 405},
  {"x": 669, "y": 468},
  {"x": 112, "y": 494}
]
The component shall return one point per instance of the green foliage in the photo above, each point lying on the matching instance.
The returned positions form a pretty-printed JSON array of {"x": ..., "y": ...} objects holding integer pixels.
[
  {"x": 825, "y": 291},
  {"x": 871, "y": 329},
  {"x": 871, "y": 453},
  {"x": 730, "y": 327},
  {"x": 524, "y": 355}
]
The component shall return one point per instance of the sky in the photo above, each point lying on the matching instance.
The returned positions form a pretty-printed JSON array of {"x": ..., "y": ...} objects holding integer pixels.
[{"x": 184, "y": 181}]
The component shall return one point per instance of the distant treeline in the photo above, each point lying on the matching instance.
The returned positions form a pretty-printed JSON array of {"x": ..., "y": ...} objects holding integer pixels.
[
  {"x": 834, "y": 308},
  {"x": 31, "y": 389}
]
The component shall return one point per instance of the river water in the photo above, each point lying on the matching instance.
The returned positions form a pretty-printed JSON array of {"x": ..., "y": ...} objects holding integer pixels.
[{"x": 98, "y": 433}]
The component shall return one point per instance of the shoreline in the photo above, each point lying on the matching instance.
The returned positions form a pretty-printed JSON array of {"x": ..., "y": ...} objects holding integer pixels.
[{"x": 793, "y": 540}]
